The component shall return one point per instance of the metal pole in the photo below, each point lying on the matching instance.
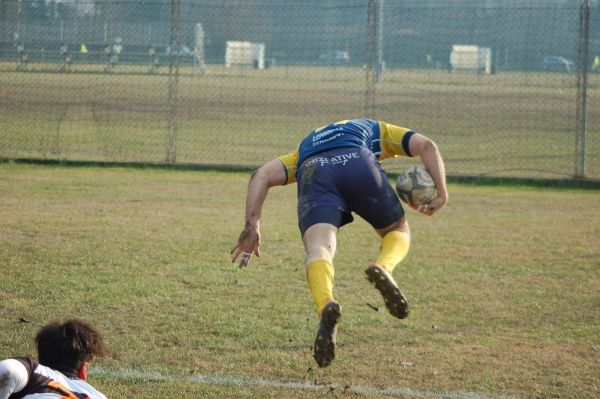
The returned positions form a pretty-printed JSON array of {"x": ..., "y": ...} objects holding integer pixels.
[
  {"x": 582, "y": 67},
  {"x": 371, "y": 60},
  {"x": 171, "y": 145},
  {"x": 380, "y": 61},
  {"x": 19, "y": 17}
]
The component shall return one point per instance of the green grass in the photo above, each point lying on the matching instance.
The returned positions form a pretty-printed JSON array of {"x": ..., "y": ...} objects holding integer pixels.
[
  {"x": 504, "y": 286},
  {"x": 505, "y": 125}
]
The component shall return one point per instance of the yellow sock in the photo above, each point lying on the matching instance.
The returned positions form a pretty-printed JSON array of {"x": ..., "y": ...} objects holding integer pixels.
[
  {"x": 319, "y": 274},
  {"x": 394, "y": 247}
]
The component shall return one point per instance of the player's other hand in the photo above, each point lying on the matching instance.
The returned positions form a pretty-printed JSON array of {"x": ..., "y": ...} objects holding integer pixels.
[
  {"x": 432, "y": 206},
  {"x": 247, "y": 245}
]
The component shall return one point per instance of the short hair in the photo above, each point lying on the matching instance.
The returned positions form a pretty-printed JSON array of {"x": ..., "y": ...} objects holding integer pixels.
[{"x": 65, "y": 345}]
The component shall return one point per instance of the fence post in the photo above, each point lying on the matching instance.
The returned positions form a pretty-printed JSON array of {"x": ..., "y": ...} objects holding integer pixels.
[
  {"x": 19, "y": 35},
  {"x": 380, "y": 61},
  {"x": 371, "y": 59},
  {"x": 171, "y": 145},
  {"x": 582, "y": 68}
]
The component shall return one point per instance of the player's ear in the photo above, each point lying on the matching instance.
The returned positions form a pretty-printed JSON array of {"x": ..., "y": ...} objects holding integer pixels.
[{"x": 82, "y": 373}]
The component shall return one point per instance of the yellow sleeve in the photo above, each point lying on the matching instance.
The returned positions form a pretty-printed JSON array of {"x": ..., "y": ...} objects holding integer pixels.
[
  {"x": 290, "y": 162},
  {"x": 394, "y": 141}
]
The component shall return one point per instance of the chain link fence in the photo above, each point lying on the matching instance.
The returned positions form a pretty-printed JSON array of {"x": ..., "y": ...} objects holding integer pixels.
[{"x": 507, "y": 89}]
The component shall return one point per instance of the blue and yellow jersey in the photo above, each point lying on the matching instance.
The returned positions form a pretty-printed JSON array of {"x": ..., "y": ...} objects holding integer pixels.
[{"x": 383, "y": 139}]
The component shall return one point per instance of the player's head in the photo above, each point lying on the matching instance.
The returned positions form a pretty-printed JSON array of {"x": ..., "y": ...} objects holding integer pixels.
[{"x": 68, "y": 346}]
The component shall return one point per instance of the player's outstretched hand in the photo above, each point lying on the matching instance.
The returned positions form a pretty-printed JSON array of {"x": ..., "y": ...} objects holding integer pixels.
[
  {"x": 432, "y": 206},
  {"x": 247, "y": 244}
]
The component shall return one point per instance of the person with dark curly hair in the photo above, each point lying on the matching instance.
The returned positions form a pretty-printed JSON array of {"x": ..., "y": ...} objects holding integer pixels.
[{"x": 65, "y": 349}]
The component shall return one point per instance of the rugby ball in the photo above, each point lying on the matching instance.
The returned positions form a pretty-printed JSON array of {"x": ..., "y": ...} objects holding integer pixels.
[{"x": 415, "y": 186}]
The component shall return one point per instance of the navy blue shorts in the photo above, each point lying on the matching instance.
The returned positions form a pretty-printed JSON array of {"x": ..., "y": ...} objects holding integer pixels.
[{"x": 335, "y": 183}]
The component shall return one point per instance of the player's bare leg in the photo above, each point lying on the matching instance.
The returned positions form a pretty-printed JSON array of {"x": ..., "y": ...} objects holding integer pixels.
[
  {"x": 394, "y": 247},
  {"x": 320, "y": 244}
]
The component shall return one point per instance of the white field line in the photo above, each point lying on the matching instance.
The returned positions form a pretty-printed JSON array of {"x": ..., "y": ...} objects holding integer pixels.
[{"x": 131, "y": 374}]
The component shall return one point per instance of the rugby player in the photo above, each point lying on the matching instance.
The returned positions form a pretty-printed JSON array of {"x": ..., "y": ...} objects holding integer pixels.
[
  {"x": 337, "y": 170},
  {"x": 65, "y": 349}
]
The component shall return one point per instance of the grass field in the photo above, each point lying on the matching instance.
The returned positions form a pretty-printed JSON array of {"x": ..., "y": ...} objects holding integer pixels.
[
  {"x": 504, "y": 285},
  {"x": 510, "y": 124}
]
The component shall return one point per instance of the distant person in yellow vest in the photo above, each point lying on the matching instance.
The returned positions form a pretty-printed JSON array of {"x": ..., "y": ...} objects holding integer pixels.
[
  {"x": 83, "y": 49},
  {"x": 596, "y": 64}
]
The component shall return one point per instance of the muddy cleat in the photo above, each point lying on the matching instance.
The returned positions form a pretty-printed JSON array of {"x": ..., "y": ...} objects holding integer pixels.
[
  {"x": 324, "y": 347},
  {"x": 394, "y": 300}
]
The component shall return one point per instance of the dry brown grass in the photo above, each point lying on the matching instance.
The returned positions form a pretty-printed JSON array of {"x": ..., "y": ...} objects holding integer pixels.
[{"x": 503, "y": 285}]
